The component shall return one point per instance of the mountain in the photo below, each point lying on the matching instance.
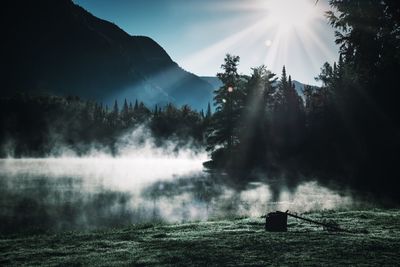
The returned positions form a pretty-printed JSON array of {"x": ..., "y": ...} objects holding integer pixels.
[
  {"x": 299, "y": 88},
  {"x": 214, "y": 81},
  {"x": 57, "y": 47}
]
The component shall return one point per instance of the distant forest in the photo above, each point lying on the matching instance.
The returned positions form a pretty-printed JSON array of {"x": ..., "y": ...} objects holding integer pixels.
[
  {"x": 347, "y": 129},
  {"x": 36, "y": 126}
]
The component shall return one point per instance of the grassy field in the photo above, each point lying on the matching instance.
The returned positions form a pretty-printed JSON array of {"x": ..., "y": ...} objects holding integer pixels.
[{"x": 241, "y": 242}]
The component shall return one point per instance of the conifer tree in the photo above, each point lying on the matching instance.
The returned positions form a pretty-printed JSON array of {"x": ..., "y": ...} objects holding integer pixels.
[
  {"x": 284, "y": 79},
  {"x": 255, "y": 125},
  {"x": 114, "y": 115},
  {"x": 125, "y": 112},
  {"x": 156, "y": 111},
  {"x": 223, "y": 135},
  {"x": 115, "y": 108},
  {"x": 208, "y": 113},
  {"x": 202, "y": 114}
]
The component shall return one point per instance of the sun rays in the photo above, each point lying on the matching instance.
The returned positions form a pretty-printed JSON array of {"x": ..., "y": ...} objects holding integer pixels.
[
  {"x": 290, "y": 15},
  {"x": 292, "y": 32}
]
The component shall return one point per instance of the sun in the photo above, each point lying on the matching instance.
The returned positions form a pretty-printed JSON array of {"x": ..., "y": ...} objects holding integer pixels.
[
  {"x": 290, "y": 15},
  {"x": 272, "y": 33}
]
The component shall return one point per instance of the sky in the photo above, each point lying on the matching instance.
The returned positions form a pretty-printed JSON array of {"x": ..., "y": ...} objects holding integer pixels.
[{"x": 197, "y": 34}]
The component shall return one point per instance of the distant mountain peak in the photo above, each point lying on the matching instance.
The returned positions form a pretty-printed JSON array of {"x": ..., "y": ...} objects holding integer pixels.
[{"x": 60, "y": 48}]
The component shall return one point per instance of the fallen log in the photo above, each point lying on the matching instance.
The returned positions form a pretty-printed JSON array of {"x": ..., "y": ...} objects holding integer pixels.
[{"x": 277, "y": 222}]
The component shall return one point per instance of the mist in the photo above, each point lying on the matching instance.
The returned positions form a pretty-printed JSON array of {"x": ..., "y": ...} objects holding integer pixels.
[{"x": 141, "y": 182}]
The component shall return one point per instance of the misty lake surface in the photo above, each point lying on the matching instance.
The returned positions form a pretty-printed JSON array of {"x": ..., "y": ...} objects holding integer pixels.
[{"x": 58, "y": 194}]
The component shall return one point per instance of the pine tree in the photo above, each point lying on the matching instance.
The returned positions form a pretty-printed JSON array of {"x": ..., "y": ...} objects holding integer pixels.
[
  {"x": 288, "y": 117},
  {"x": 290, "y": 83},
  {"x": 283, "y": 86},
  {"x": 185, "y": 110},
  {"x": 114, "y": 115},
  {"x": 202, "y": 114},
  {"x": 208, "y": 113},
  {"x": 115, "y": 108},
  {"x": 142, "y": 113},
  {"x": 326, "y": 76},
  {"x": 284, "y": 80},
  {"x": 340, "y": 69},
  {"x": 255, "y": 126},
  {"x": 103, "y": 112},
  {"x": 125, "y": 109},
  {"x": 223, "y": 134},
  {"x": 335, "y": 69},
  {"x": 156, "y": 111},
  {"x": 98, "y": 113}
]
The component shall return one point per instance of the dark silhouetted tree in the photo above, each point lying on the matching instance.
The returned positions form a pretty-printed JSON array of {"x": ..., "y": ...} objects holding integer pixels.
[
  {"x": 228, "y": 99},
  {"x": 208, "y": 113}
]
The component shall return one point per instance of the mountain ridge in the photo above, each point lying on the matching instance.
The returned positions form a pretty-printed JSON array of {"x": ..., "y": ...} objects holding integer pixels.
[{"x": 60, "y": 48}]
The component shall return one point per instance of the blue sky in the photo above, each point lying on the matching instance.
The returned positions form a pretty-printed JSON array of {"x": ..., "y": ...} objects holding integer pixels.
[{"x": 198, "y": 33}]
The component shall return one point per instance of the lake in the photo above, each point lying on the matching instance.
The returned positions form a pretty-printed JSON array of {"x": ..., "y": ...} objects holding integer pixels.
[{"x": 71, "y": 193}]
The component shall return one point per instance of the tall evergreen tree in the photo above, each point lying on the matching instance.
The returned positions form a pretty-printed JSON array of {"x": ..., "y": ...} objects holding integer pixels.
[
  {"x": 208, "y": 113},
  {"x": 228, "y": 101},
  {"x": 115, "y": 108},
  {"x": 284, "y": 79},
  {"x": 288, "y": 118},
  {"x": 255, "y": 132},
  {"x": 156, "y": 111},
  {"x": 202, "y": 114},
  {"x": 113, "y": 116},
  {"x": 125, "y": 113}
]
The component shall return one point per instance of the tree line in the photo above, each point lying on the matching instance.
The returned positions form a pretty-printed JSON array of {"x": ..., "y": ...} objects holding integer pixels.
[
  {"x": 38, "y": 125},
  {"x": 259, "y": 121}
]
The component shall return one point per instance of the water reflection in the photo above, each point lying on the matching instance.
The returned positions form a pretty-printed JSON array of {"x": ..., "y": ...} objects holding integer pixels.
[{"x": 66, "y": 194}]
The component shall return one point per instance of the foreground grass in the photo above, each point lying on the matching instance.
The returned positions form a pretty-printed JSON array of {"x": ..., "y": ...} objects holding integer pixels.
[{"x": 227, "y": 242}]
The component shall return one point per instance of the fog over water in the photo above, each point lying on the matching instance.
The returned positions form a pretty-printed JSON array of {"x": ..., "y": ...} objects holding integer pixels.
[{"x": 143, "y": 184}]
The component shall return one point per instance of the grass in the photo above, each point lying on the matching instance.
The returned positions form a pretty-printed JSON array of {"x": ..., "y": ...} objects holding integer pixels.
[{"x": 241, "y": 242}]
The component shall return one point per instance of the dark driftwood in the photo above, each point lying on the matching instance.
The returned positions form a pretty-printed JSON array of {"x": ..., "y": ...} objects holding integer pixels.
[{"x": 328, "y": 226}]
